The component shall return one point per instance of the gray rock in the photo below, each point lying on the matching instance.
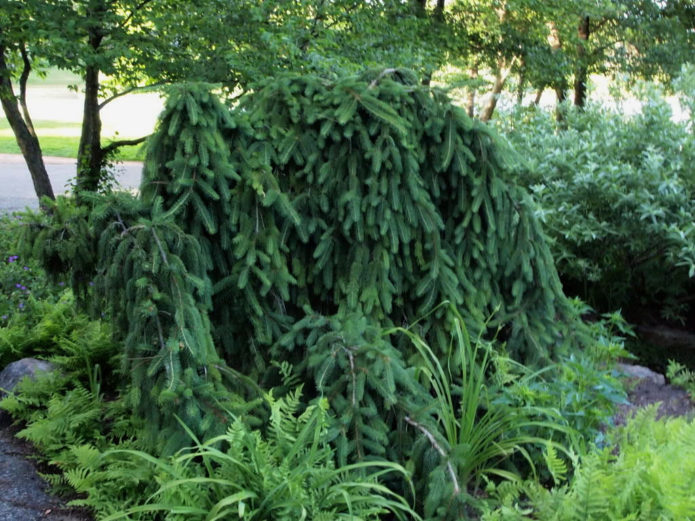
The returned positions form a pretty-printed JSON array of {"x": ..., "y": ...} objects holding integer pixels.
[
  {"x": 14, "y": 372},
  {"x": 642, "y": 373}
]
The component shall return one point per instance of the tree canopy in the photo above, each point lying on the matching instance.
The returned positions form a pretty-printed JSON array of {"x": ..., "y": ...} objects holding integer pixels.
[{"x": 121, "y": 46}]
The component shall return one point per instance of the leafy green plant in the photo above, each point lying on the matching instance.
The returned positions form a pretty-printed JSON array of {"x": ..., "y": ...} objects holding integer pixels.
[
  {"x": 680, "y": 375},
  {"x": 615, "y": 194},
  {"x": 473, "y": 433},
  {"x": 55, "y": 330},
  {"x": 583, "y": 387},
  {"x": 646, "y": 473},
  {"x": 287, "y": 474},
  {"x": 21, "y": 278}
]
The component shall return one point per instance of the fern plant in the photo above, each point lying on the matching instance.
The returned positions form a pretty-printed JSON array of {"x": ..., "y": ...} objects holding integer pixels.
[
  {"x": 680, "y": 375},
  {"x": 286, "y": 474},
  {"x": 647, "y": 474}
]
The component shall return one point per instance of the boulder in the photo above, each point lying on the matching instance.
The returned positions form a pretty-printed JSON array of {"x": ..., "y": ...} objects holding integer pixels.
[
  {"x": 14, "y": 372},
  {"x": 642, "y": 373}
]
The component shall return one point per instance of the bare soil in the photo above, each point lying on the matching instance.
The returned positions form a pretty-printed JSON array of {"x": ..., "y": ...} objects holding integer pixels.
[{"x": 642, "y": 392}]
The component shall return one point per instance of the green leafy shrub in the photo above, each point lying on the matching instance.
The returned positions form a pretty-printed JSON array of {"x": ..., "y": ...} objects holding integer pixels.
[
  {"x": 647, "y": 473},
  {"x": 56, "y": 331},
  {"x": 21, "y": 278},
  {"x": 616, "y": 196},
  {"x": 582, "y": 387}
]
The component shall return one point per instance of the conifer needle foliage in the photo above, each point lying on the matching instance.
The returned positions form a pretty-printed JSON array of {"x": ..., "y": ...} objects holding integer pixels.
[
  {"x": 368, "y": 195},
  {"x": 297, "y": 226}
]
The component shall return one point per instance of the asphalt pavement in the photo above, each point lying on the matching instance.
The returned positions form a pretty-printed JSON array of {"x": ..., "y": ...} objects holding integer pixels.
[{"x": 17, "y": 190}]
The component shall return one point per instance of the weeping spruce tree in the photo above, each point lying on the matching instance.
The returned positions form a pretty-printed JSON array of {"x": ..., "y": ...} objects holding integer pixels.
[
  {"x": 327, "y": 210},
  {"x": 367, "y": 196},
  {"x": 300, "y": 225}
]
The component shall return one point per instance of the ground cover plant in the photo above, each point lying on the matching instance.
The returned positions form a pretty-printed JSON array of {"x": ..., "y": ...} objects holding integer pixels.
[
  {"x": 102, "y": 452},
  {"x": 646, "y": 473}
]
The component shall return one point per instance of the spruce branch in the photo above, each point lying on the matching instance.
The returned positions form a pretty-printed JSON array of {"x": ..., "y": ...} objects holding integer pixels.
[
  {"x": 381, "y": 75},
  {"x": 161, "y": 248},
  {"x": 353, "y": 373},
  {"x": 430, "y": 437}
]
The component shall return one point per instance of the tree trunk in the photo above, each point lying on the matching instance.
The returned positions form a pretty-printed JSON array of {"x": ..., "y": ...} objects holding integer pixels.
[
  {"x": 520, "y": 87},
  {"x": 500, "y": 79},
  {"x": 560, "y": 107},
  {"x": 560, "y": 84},
  {"x": 89, "y": 154},
  {"x": 420, "y": 7},
  {"x": 27, "y": 141},
  {"x": 539, "y": 95},
  {"x": 582, "y": 69},
  {"x": 470, "y": 100},
  {"x": 439, "y": 10}
]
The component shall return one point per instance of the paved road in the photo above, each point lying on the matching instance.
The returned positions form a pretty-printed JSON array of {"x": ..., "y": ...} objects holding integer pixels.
[{"x": 17, "y": 190}]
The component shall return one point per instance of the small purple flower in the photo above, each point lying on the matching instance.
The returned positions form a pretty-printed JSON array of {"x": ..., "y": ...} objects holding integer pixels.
[
  {"x": 91, "y": 283},
  {"x": 4, "y": 317},
  {"x": 12, "y": 258},
  {"x": 18, "y": 286},
  {"x": 26, "y": 268},
  {"x": 21, "y": 305},
  {"x": 61, "y": 284}
]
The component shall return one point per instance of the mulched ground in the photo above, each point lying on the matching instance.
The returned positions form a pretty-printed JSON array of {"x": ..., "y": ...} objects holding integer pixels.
[{"x": 24, "y": 496}]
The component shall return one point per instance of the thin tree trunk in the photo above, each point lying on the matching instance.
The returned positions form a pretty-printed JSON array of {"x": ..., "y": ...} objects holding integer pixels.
[
  {"x": 420, "y": 7},
  {"x": 470, "y": 99},
  {"x": 27, "y": 141},
  {"x": 520, "y": 87},
  {"x": 89, "y": 154},
  {"x": 539, "y": 95},
  {"x": 560, "y": 84},
  {"x": 582, "y": 73},
  {"x": 439, "y": 10},
  {"x": 23, "y": 79},
  {"x": 560, "y": 107},
  {"x": 501, "y": 76}
]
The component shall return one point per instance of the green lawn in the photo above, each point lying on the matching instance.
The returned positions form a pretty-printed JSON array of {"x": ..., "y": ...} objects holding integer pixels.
[
  {"x": 61, "y": 138},
  {"x": 54, "y": 78},
  {"x": 65, "y": 147},
  {"x": 58, "y": 138}
]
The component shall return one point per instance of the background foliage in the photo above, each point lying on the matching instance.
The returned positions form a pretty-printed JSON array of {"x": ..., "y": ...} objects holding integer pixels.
[{"x": 615, "y": 194}]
